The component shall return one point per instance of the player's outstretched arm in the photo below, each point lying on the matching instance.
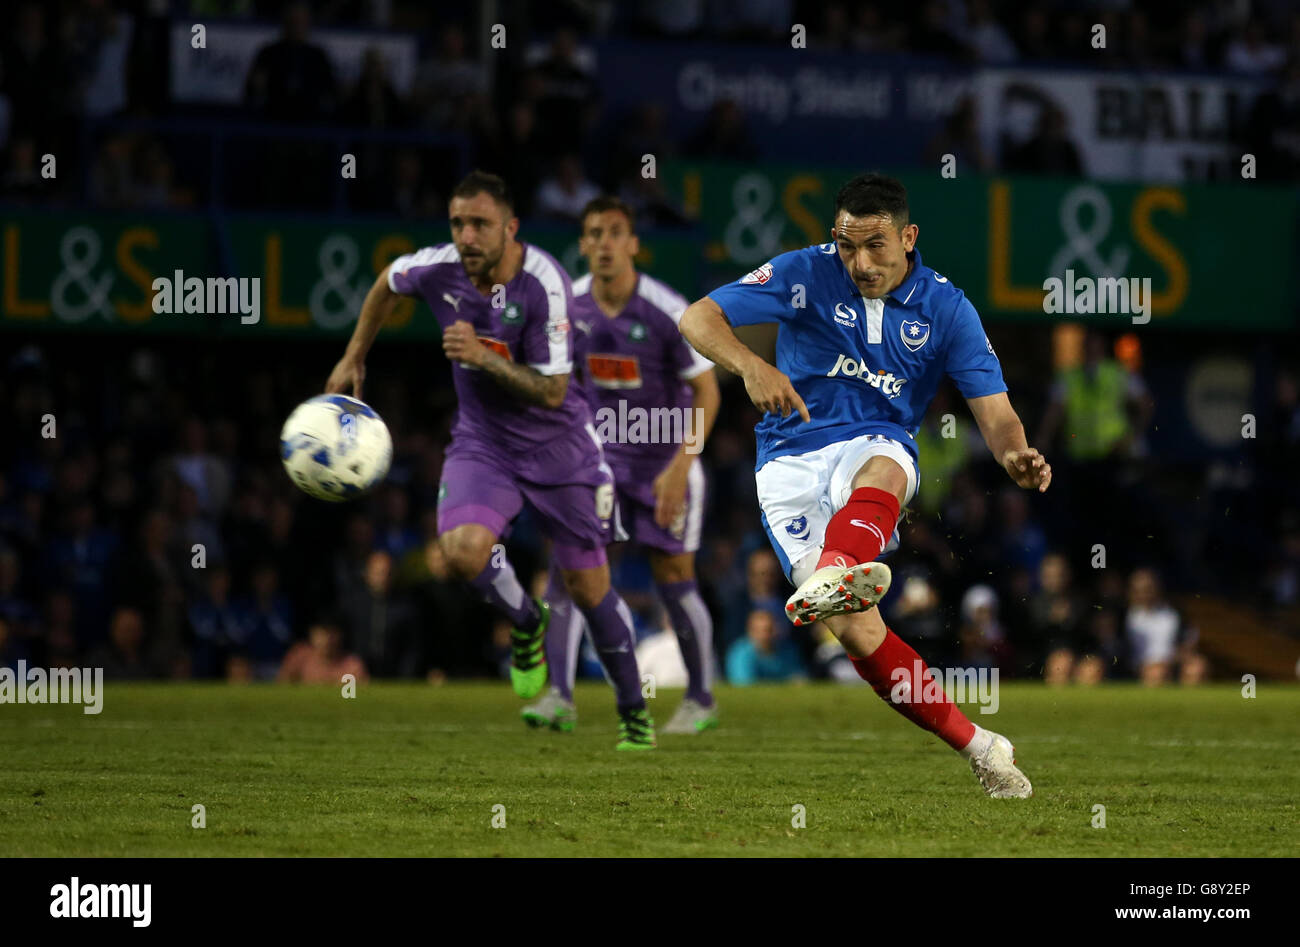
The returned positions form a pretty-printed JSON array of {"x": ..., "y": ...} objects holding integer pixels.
[
  {"x": 350, "y": 371},
  {"x": 705, "y": 326},
  {"x": 460, "y": 343},
  {"x": 1005, "y": 437}
]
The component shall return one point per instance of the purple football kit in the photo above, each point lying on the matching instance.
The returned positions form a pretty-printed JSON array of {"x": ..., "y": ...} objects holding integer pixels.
[
  {"x": 505, "y": 452},
  {"x": 633, "y": 369}
]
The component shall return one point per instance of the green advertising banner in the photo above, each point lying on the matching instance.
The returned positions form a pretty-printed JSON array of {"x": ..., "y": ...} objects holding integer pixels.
[
  {"x": 1000, "y": 239},
  {"x": 82, "y": 271},
  {"x": 180, "y": 273}
]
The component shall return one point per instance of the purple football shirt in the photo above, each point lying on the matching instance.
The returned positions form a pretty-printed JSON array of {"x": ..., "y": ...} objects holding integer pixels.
[
  {"x": 530, "y": 325},
  {"x": 633, "y": 368}
]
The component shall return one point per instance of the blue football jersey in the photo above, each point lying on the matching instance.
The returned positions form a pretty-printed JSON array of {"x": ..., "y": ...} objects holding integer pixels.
[{"x": 862, "y": 366}]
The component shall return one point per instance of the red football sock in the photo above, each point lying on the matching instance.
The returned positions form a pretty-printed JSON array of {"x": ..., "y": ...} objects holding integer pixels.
[
  {"x": 858, "y": 532},
  {"x": 926, "y": 706}
]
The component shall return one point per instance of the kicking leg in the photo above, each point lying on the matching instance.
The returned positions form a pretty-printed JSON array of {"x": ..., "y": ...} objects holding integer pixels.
[
  {"x": 847, "y": 578},
  {"x": 902, "y": 679}
]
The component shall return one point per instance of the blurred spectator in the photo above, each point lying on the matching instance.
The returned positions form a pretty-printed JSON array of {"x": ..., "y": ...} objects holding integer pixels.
[
  {"x": 444, "y": 84},
  {"x": 1056, "y": 619},
  {"x": 917, "y": 618},
  {"x": 931, "y": 36},
  {"x": 96, "y": 39},
  {"x": 203, "y": 471},
  {"x": 672, "y": 18},
  {"x": 1283, "y": 577},
  {"x": 1023, "y": 541},
  {"x": 150, "y": 581},
  {"x": 60, "y": 634},
  {"x": 1049, "y": 151},
  {"x": 383, "y": 622},
  {"x": 960, "y": 138},
  {"x": 291, "y": 80},
  {"x": 1250, "y": 51},
  {"x": 22, "y": 183},
  {"x": 123, "y": 656},
  {"x": 567, "y": 191},
  {"x": 723, "y": 134},
  {"x": 763, "y": 590},
  {"x": 1102, "y": 407},
  {"x": 987, "y": 39},
  {"x": 872, "y": 32},
  {"x": 81, "y": 560},
  {"x": 762, "y": 656},
  {"x": 35, "y": 75},
  {"x": 1273, "y": 127},
  {"x": 15, "y": 609},
  {"x": 513, "y": 153},
  {"x": 565, "y": 93},
  {"x": 983, "y": 642},
  {"x": 1160, "y": 641},
  {"x": 12, "y": 648},
  {"x": 373, "y": 102},
  {"x": 215, "y": 625},
  {"x": 409, "y": 193},
  {"x": 266, "y": 617},
  {"x": 321, "y": 659}
]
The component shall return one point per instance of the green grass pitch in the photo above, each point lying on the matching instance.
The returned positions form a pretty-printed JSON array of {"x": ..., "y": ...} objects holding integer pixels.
[{"x": 417, "y": 771}]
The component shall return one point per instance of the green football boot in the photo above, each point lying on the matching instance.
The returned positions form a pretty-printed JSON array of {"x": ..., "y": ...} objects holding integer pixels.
[
  {"x": 528, "y": 657},
  {"x": 636, "y": 730}
]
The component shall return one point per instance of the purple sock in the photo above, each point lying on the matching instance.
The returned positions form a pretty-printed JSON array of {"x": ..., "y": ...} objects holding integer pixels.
[
  {"x": 564, "y": 636},
  {"x": 694, "y": 628},
  {"x": 611, "y": 631},
  {"x": 498, "y": 586}
]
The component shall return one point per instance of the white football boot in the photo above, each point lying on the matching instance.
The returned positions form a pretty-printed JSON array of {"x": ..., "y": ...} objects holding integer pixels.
[
  {"x": 836, "y": 590},
  {"x": 551, "y": 711},
  {"x": 996, "y": 769},
  {"x": 692, "y": 717}
]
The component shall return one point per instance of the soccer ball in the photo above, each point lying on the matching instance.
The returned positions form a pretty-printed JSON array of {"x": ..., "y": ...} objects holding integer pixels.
[{"x": 335, "y": 448}]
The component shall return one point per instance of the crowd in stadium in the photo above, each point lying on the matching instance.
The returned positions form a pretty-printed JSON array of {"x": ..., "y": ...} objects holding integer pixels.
[
  {"x": 536, "y": 114},
  {"x": 153, "y": 533}
]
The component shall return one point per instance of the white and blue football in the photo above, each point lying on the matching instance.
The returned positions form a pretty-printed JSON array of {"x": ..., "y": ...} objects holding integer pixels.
[{"x": 335, "y": 448}]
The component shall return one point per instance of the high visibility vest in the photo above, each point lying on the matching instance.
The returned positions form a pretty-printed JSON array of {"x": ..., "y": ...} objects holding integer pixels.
[
  {"x": 1094, "y": 410},
  {"x": 939, "y": 459}
]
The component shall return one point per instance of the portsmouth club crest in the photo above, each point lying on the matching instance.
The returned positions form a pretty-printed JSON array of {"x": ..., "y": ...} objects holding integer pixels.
[
  {"x": 914, "y": 333},
  {"x": 798, "y": 527}
]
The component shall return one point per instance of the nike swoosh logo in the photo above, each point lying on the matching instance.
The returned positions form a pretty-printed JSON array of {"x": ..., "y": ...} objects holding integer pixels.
[{"x": 860, "y": 524}]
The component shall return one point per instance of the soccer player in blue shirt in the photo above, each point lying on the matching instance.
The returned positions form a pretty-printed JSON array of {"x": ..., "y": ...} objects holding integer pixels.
[{"x": 866, "y": 333}]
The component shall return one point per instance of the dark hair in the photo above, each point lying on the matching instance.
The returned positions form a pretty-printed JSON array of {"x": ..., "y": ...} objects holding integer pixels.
[
  {"x": 483, "y": 182},
  {"x": 872, "y": 194},
  {"x": 327, "y": 617},
  {"x": 598, "y": 205}
]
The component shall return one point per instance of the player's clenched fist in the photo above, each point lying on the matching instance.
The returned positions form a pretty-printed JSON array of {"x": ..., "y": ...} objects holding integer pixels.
[
  {"x": 460, "y": 343},
  {"x": 1028, "y": 468},
  {"x": 770, "y": 390}
]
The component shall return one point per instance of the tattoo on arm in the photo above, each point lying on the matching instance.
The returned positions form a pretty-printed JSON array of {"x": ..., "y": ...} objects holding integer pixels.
[{"x": 526, "y": 383}]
